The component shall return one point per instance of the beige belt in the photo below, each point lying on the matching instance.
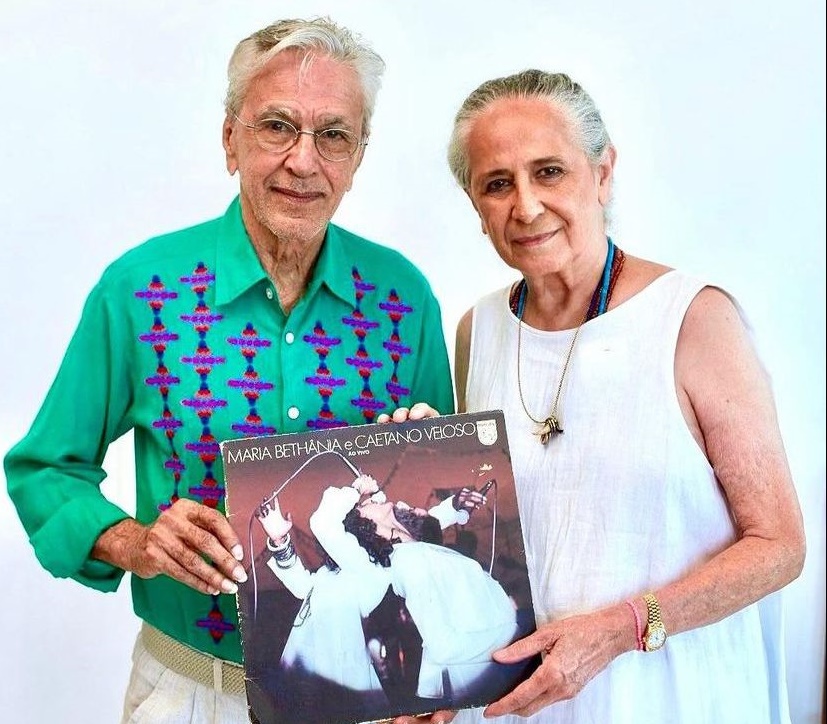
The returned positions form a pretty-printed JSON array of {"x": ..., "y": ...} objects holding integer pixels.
[{"x": 223, "y": 676}]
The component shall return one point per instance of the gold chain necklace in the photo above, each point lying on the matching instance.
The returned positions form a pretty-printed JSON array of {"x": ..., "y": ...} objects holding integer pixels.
[
  {"x": 615, "y": 257},
  {"x": 551, "y": 425}
]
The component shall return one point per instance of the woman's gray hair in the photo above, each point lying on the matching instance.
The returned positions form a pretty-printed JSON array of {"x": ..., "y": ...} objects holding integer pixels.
[
  {"x": 317, "y": 36},
  {"x": 557, "y": 88}
]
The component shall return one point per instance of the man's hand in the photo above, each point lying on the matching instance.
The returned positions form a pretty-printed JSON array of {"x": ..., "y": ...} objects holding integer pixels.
[
  {"x": 365, "y": 485},
  {"x": 419, "y": 411},
  {"x": 469, "y": 500},
  {"x": 176, "y": 544},
  {"x": 276, "y": 525}
]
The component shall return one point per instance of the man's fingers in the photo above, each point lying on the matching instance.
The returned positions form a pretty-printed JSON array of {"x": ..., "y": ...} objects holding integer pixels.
[
  {"x": 422, "y": 410},
  {"x": 201, "y": 577},
  {"x": 187, "y": 532}
]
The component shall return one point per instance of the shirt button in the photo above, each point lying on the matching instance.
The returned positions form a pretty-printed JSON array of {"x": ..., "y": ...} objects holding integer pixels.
[
  {"x": 269, "y": 293},
  {"x": 289, "y": 338},
  {"x": 293, "y": 413}
]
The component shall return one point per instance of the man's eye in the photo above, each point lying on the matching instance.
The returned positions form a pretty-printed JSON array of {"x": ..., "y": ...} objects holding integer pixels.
[
  {"x": 336, "y": 135},
  {"x": 275, "y": 125}
]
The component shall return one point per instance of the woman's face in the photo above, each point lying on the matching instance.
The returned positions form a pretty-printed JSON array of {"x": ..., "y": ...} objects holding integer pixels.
[{"x": 540, "y": 200}]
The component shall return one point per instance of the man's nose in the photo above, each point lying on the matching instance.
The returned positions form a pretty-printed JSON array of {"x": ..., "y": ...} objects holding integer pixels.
[{"x": 302, "y": 157}]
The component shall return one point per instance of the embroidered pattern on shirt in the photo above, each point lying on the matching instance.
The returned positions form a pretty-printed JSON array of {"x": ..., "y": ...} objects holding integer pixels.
[
  {"x": 156, "y": 295},
  {"x": 202, "y": 402},
  {"x": 362, "y": 360},
  {"x": 323, "y": 380},
  {"x": 396, "y": 310},
  {"x": 215, "y": 622},
  {"x": 159, "y": 337},
  {"x": 250, "y": 385}
]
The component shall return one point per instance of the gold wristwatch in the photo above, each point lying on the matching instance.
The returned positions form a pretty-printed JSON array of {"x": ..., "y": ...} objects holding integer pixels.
[{"x": 654, "y": 635}]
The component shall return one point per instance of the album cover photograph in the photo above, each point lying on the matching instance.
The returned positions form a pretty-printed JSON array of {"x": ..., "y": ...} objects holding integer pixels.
[{"x": 385, "y": 564}]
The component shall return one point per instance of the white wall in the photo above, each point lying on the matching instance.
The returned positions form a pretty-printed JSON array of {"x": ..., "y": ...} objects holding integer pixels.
[{"x": 110, "y": 133}]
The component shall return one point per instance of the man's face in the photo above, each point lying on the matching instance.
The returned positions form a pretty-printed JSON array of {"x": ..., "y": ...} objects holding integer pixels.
[{"x": 294, "y": 194}]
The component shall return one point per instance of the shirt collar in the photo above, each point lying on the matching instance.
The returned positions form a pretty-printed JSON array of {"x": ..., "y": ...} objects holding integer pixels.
[
  {"x": 334, "y": 266},
  {"x": 238, "y": 267}
]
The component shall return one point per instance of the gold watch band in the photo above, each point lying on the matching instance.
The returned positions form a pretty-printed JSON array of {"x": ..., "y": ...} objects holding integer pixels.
[{"x": 654, "y": 635}]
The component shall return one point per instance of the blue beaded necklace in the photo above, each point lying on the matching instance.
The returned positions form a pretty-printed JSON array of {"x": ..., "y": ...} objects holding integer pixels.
[{"x": 550, "y": 426}]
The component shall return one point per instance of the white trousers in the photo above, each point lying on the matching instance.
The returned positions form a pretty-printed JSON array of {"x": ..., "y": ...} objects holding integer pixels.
[{"x": 158, "y": 695}]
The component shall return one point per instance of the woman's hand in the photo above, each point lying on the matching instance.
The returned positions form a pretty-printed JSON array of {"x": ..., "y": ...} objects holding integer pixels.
[
  {"x": 438, "y": 717},
  {"x": 274, "y": 523},
  {"x": 419, "y": 411},
  {"x": 574, "y": 651}
]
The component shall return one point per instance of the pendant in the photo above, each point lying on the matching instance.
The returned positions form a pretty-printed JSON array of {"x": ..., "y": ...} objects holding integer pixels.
[{"x": 549, "y": 428}]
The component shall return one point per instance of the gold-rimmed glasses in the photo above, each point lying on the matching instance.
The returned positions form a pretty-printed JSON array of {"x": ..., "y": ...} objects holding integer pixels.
[{"x": 277, "y": 136}]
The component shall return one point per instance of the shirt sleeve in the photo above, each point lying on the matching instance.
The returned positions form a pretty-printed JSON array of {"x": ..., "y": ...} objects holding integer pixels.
[
  {"x": 447, "y": 515},
  {"x": 54, "y": 473},
  {"x": 327, "y": 524},
  {"x": 295, "y": 577}
]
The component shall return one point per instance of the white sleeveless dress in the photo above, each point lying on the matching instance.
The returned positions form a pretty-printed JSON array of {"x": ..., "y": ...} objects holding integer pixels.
[{"x": 622, "y": 502}]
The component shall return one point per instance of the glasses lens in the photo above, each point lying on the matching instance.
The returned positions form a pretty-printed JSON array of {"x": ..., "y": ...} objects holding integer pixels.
[
  {"x": 335, "y": 144},
  {"x": 275, "y": 135}
]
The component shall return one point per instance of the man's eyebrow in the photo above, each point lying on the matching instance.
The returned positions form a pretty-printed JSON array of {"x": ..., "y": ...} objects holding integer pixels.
[
  {"x": 333, "y": 120},
  {"x": 276, "y": 112}
]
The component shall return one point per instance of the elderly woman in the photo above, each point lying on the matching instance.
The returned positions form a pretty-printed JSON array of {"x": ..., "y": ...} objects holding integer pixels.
[{"x": 657, "y": 503}]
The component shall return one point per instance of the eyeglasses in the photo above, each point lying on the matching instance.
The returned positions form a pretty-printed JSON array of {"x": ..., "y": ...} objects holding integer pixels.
[{"x": 277, "y": 136}]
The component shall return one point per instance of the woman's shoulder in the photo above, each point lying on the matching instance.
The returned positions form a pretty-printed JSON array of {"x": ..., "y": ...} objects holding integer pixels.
[{"x": 635, "y": 276}]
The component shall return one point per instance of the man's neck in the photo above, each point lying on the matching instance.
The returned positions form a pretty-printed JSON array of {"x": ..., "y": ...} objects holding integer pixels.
[{"x": 289, "y": 262}]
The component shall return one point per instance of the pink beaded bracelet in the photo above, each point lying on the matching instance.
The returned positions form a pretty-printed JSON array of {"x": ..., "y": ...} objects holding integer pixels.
[{"x": 638, "y": 626}]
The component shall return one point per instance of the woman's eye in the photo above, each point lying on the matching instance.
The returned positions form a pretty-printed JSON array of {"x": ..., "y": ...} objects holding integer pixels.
[
  {"x": 549, "y": 172},
  {"x": 495, "y": 185}
]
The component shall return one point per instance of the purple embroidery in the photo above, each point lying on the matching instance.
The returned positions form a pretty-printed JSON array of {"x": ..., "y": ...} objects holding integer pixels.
[
  {"x": 323, "y": 380},
  {"x": 156, "y": 295},
  {"x": 215, "y": 622},
  {"x": 396, "y": 310},
  {"x": 250, "y": 385},
  {"x": 366, "y": 401},
  {"x": 202, "y": 402}
]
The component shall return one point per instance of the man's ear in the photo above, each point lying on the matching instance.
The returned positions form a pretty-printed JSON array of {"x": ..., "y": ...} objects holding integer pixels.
[
  {"x": 228, "y": 141},
  {"x": 357, "y": 161}
]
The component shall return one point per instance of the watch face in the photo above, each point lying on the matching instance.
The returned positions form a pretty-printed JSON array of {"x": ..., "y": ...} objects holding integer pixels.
[{"x": 655, "y": 638}]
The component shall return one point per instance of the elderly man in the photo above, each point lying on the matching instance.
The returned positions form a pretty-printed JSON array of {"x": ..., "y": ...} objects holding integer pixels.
[{"x": 267, "y": 319}]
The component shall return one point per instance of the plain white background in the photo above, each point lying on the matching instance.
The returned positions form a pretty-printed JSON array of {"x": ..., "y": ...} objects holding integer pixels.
[{"x": 110, "y": 133}]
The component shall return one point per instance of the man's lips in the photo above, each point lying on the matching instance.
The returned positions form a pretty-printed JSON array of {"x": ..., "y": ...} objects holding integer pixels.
[{"x": 296, "y": 195}]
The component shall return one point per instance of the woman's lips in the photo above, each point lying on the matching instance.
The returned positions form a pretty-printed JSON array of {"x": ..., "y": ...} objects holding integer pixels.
[{"x": 533, "y": 239}]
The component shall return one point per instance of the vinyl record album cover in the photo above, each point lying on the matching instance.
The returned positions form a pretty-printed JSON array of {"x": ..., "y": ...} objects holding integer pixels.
[{"x": 385, "y": 564}]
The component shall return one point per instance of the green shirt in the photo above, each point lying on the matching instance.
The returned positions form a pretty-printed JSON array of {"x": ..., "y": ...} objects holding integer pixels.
[{"x": 183, "y": 341}]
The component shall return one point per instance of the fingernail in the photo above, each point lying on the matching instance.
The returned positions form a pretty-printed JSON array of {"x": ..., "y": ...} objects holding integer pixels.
[
  {"x": 239, "y": 574},
  {"x": 228, "y": 586},
  {"x": 238, "y": 552}
]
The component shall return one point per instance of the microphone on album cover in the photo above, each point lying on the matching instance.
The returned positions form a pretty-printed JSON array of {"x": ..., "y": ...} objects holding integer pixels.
[{"x": 485, "y": 488}]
